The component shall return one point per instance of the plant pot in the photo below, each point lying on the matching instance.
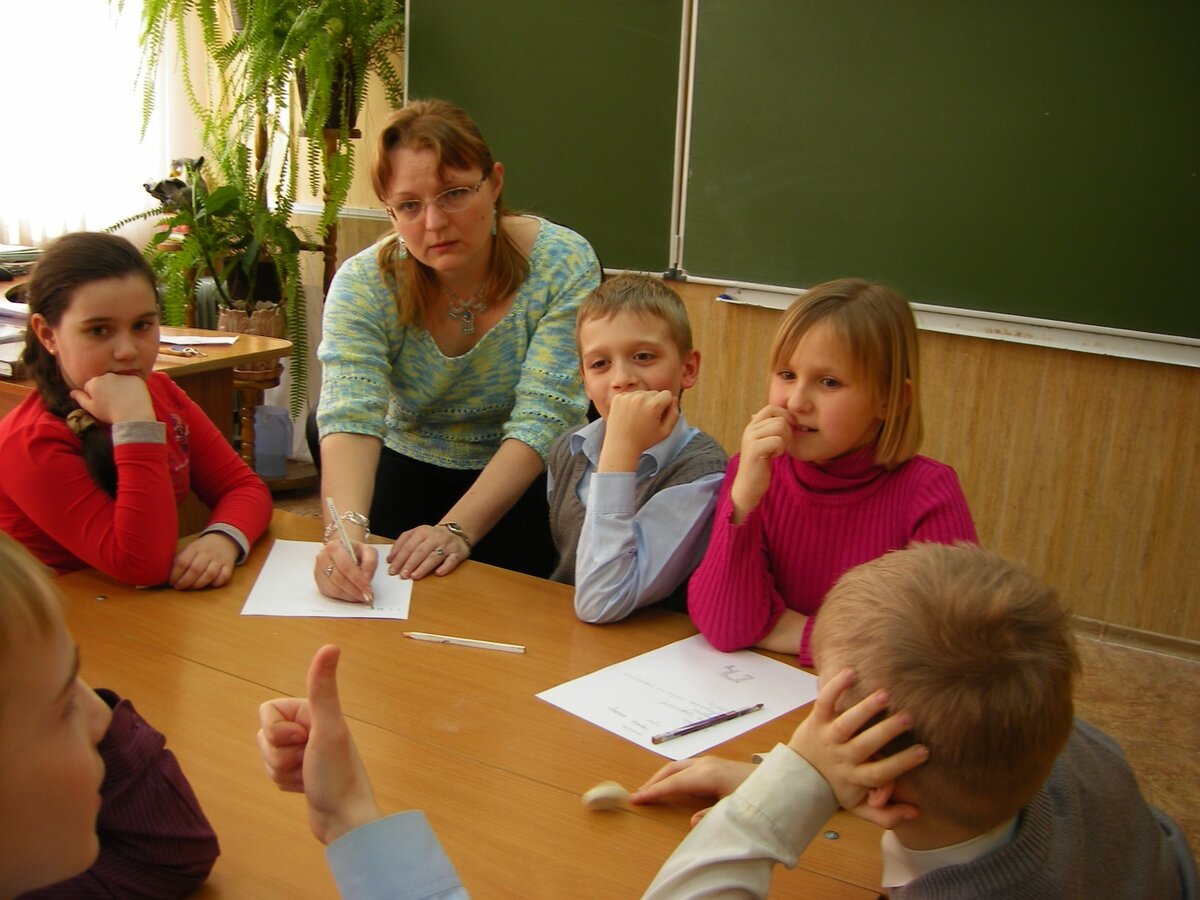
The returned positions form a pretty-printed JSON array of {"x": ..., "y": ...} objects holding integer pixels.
[
  {"x": 343, "y": 94},
  {"x": 269, "y": 322}
]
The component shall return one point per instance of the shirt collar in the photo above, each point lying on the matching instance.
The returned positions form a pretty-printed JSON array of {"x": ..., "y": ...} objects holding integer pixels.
[
  {"x": 590, "y": 439},
  {"x": 901, "y": 865}
]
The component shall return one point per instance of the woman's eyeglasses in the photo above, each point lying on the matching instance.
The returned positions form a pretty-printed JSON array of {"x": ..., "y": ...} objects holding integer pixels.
[{"x": 454, "y": 199}]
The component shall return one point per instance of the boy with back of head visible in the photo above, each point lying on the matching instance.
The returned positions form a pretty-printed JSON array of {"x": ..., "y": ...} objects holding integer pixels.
[
  {"x": 632, "y": 494},
  {"x": 1005, "y": 796}
]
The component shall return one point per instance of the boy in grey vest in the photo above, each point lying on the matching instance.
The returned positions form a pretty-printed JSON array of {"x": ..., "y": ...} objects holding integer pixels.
[{"x": 632, "y": 494}]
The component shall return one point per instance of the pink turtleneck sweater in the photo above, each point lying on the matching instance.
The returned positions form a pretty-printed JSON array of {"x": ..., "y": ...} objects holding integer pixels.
[{"x": 813, "y": 524}]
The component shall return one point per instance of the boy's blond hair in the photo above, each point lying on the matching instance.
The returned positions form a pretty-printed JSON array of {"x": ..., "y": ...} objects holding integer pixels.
[
  {"x": 880, "y": 334},
  {"x": 29, "y": 604},
  {"x": 978, "y": 651},
  {"x": 640, "y": 294}
]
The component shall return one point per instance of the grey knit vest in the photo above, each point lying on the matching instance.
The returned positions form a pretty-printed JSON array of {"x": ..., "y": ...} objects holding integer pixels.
[{"x": 699, "y": 457}]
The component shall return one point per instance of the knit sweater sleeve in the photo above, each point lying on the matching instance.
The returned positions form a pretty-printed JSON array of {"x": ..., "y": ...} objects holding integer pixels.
[
  {"x": 732, "y": 597},
  {"x": 549, "y": 394},
  {"x": 73, "y": 523},
  {"x": 221, "y": 479},
  {"x": 359, "y": 342},
  {"x": 940, "y": 513}
]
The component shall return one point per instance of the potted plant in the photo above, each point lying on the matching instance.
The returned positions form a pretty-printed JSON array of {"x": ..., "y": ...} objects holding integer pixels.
[
  {"x": 250, "y": 251},
  {"x": 258, "y": 48}
]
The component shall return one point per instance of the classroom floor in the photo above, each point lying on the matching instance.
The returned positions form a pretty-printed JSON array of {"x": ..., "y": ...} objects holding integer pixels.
[{"x": 1149, "y": 702}]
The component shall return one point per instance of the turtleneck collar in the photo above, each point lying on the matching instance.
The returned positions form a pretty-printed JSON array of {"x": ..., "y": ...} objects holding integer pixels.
[{"x": 851, "y": 471}]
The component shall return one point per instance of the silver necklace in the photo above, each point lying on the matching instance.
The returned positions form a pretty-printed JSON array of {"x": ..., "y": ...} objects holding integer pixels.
[{"x": 466, "y": 308}]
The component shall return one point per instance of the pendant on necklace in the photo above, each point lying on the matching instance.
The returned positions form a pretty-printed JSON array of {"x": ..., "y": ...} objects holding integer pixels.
[{"x": 465, "y": 308}]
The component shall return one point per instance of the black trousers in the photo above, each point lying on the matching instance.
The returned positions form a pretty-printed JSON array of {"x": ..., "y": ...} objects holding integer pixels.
[{"x": 409, "y": 493}]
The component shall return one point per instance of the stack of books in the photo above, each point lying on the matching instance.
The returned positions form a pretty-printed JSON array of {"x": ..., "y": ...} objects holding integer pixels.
[
  {"x": 10, "y": 359},
  {"x": 16, "y": 260},
  {"x": 13, "y": 315}
]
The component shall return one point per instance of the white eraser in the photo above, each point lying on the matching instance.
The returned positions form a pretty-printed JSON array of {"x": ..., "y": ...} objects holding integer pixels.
[{"x": 606, "y": 795}]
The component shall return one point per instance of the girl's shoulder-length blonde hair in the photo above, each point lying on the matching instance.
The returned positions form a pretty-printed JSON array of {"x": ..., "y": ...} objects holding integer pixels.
[
  {"x": 456, "y": 143},
  {"x": 880, "y": 333}
]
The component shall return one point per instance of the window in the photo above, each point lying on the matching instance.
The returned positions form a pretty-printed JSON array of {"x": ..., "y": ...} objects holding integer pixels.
[{"x": 72, "y": 155}]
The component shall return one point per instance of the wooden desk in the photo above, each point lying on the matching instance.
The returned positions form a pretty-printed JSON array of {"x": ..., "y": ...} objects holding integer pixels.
[
  {"x": 207, "y": 379},
  {"x": 454, "y": 731}
]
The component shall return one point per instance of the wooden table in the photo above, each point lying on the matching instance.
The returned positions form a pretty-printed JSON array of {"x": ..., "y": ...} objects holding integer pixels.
[
  {"x": 207, "y": 379},
  {"x": 454, "y": 731}
]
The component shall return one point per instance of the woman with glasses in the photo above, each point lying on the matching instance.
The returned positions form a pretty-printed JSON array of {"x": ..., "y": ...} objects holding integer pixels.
[{"x": 449, "y": 365}]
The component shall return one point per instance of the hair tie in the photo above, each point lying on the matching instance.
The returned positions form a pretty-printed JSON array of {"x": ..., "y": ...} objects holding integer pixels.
[{"x": 79, "y": 421}]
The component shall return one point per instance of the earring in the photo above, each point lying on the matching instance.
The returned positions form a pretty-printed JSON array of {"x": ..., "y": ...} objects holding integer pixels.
[
  {"x": 493, "y": 221},
  {"x": 402, "y": 248}
]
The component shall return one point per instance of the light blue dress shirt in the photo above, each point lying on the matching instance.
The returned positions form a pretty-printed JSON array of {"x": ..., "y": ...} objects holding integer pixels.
[
  {"x": 397, "y": 857},
  {"x": 628, "y": 557}
]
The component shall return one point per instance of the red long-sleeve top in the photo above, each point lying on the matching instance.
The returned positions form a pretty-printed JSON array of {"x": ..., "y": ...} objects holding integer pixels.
[
  {"x": 813, "y": 524},
  {"x": 51, "y": 504}
]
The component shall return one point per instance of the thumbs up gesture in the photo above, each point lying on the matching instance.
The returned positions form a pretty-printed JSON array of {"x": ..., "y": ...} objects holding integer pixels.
[{"x": 307, "y": 747}]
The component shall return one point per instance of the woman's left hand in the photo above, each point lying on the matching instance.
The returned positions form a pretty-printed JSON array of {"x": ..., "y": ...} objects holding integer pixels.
[{"x": 426, "y": 549}]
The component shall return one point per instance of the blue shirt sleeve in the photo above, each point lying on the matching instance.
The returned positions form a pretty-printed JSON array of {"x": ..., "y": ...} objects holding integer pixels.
[{"x": 397, "y": 857}]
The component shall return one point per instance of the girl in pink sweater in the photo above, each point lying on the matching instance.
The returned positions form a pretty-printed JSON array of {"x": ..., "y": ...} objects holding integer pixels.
[{"x": 828, "y": 475}]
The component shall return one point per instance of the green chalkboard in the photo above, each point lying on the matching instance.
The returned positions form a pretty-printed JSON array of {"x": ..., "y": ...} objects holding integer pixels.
[
  {"x": 1030, "y": 158},
  {"x": 577, "y": 98}
]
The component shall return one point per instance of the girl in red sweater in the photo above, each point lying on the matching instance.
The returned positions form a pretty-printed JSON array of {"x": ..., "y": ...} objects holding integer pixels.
[
  {"x": 98, "y": 459},
  {"x": 828, "y": 475}
]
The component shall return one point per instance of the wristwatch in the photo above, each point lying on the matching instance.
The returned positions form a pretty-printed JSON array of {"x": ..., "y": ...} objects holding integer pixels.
[{"x": 457, "y": 530}]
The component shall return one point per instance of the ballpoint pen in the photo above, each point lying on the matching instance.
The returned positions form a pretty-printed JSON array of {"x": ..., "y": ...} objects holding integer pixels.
[
  {"x": 704, "y": 723},
  {"x": 341, "y": 529}
]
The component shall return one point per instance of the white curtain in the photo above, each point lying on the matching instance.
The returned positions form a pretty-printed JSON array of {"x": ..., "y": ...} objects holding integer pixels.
[{"x": 72, "y": 156}]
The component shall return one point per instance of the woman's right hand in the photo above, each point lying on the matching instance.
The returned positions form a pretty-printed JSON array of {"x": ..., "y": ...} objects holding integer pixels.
[
  {"x": 766, "y": 437},
  {"x": 340, "y": 576},
  {"x": 704, "y": 777},
  {"x": 114, "y": 398}
]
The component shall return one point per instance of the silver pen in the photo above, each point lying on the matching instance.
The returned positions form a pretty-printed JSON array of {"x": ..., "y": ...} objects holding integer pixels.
[{"x": 368, "y": 597}]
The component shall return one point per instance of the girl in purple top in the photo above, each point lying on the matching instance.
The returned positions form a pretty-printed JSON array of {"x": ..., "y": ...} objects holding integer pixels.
[{"x": 828, "y": 475}]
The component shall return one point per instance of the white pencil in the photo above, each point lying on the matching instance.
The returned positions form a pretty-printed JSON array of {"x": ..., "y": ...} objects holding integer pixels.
[{"x": 464, "y": 642}]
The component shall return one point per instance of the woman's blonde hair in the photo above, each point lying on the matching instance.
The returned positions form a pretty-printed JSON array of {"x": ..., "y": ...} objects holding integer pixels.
[
  {"x": 456, "y": 143},
  {"x": 877, "y": 326}
]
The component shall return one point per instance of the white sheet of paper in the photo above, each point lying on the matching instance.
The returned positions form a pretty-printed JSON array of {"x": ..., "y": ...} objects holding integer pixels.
[
  {"x": 191, "y": 340},
  {"x": 285, "y": 588},
  {"x": 681, "y": 683}
]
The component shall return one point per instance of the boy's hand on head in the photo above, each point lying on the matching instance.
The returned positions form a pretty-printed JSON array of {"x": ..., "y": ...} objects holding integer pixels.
[
  {"x": 307, "y": 746},
  {"x": 636, "y": 421},
  {"x": 705, "y": 777},
  {"x": 207, "y": 561},
  {"x": 834, "y": 746},
  {"x": 764, "y": 438}
]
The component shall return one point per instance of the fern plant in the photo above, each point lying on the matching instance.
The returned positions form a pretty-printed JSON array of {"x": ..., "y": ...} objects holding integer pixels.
[
  {"x": 230, "y": 234},
  {"x": 258, "y": 49},
  {"x": 253, "y": 51}
]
